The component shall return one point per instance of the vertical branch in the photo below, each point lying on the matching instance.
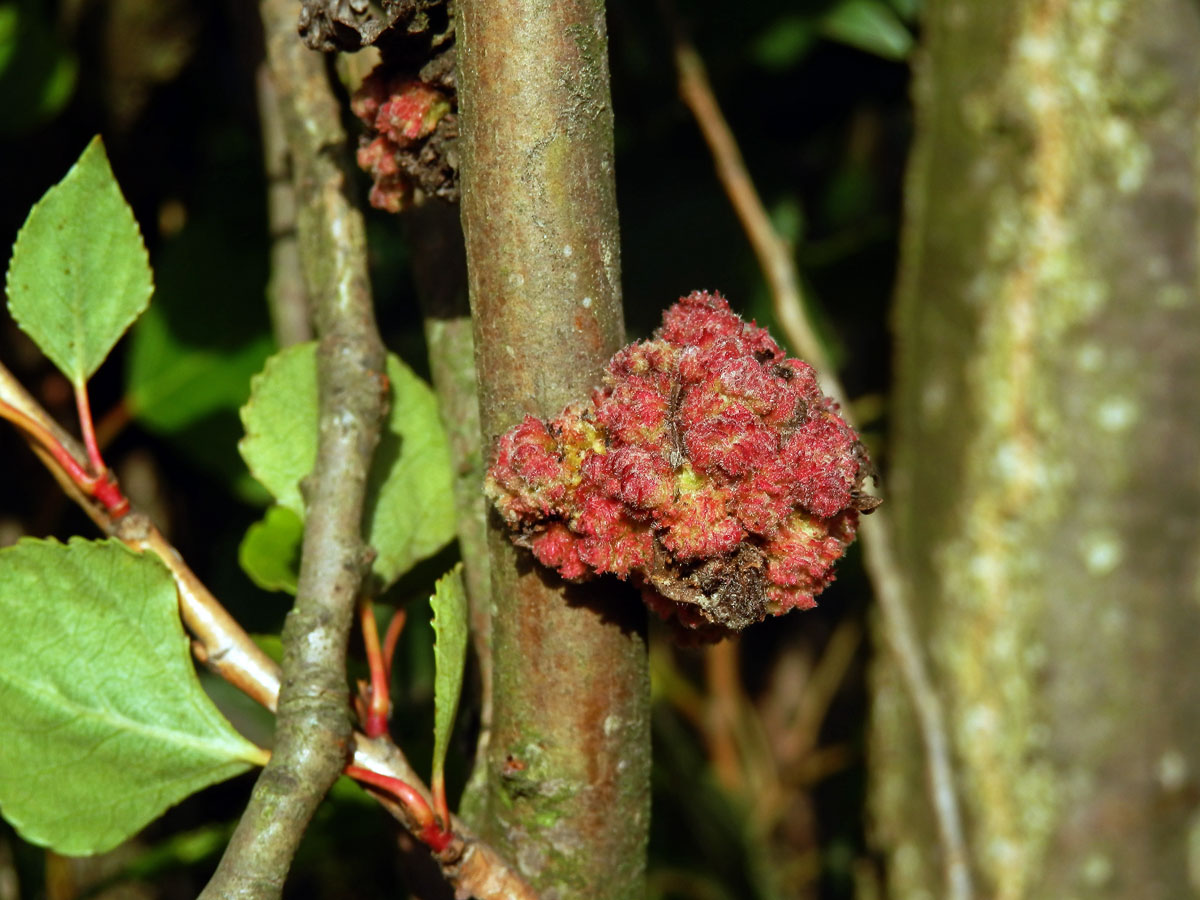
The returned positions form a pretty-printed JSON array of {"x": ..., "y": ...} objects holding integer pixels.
[
  {"x": 287, "y": 298},
  {"x": 312, "y": 742},
  {"x": 440, "y": 271},
  {"x": 569, "y": 756}
]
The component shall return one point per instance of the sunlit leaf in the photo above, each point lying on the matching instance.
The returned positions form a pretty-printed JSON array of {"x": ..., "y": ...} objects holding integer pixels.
[
  {"x": 410, "y": 506},
  {"x": 79, "y": 274},
  {"x": 270, "y": 551},
  {"x": 103, "y": 724},
  {"x": 869, "y": 25}
]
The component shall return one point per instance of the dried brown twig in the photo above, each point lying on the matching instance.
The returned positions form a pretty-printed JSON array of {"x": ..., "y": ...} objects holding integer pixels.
[{"x": 891, "y": 589}]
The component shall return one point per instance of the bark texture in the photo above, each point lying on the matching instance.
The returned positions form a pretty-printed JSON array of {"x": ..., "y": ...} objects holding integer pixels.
[
  {"x": 568, "y": 760},
  {"x": 1047, "y": 460},
  {"x": 312, "y": 730}
]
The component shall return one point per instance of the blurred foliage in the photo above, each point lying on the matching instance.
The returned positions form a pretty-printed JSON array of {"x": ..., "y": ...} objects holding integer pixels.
[
  {"x": 755, "y": 796},
  {"x": 37, "y": 70}
]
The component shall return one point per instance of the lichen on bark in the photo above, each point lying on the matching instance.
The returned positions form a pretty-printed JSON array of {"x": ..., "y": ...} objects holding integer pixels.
[{"x": 1050, "y": 236}]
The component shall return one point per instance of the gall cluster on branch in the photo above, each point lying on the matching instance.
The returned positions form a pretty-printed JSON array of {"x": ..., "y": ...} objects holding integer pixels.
[
  {"x": 709, "y": 467},
  {"x": 407, "y": 120}
]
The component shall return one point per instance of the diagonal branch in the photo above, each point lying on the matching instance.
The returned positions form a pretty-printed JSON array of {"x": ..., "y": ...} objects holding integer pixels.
[
  {"x": 891, "y": 589},
  {"x": 224, "y": 647},
  {"x": 774, "y": 254},
  {"x": 313, "y": 731}
]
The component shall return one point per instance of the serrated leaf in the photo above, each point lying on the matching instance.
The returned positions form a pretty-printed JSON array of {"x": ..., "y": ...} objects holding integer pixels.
[
  {"x": 103, "y": 723},
  {"x": 450, "y": 626},
  {"x": 410, "y": 505},
  {"x": 270, "y": 551},
  {"x": 869, "y": 25},
  {"x": 79, "y": 273}
]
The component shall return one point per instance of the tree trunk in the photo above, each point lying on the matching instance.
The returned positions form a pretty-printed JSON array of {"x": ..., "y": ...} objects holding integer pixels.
[
  {"x": 1046, "y": 470},
  {"x": 568, "y": 759}
]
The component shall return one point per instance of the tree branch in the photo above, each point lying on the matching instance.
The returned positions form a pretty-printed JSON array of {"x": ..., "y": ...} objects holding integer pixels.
[
  {"x": 225, "y": 648},
  {"x": 773, "y": 252},
  {"x": 569, "y": 754},
  {"x": 313, "y": 731},
  {"x": 891, "y": 588},
  {"x": 440, "y": 272},
  {"x": 287, "y": 297}
]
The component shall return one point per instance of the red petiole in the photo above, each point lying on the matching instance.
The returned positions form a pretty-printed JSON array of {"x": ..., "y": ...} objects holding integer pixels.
[
  {"x": 376, "y": 705},
  {"x": 431, "y": 833},
  {"x": 84, "y": 408},
  {"x": 395, "y": 626},
  {"x": 102, "y": 486}
]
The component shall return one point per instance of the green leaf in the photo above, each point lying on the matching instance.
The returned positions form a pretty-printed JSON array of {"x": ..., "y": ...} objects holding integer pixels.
[
  {"x": 869, "y": 25},
  {"x": 172, "y": 384},
  {"x": 38, "y": 70},
  {"x": 908, "y": 10},
  {"x": 784, "y": 42},
  {"x": 410, "y": 503},
  {"x": 194, "y": 351},
  {"x": 103, "y": 724},
  {"x": 449, "y": 602},
  {"x": 79, "y": 273},
  {"x": 270, "y": 551}
]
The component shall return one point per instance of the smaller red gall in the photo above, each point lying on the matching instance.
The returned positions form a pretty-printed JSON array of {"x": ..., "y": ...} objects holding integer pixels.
[
  {"x": 708, "y": 468},
  {"x": 399, "y": 111}
]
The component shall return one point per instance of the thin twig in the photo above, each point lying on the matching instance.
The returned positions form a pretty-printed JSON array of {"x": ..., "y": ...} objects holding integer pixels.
[
  {"x": 819, "y": 690},
  {"x": 725, "y": 696},
  {"x": 773, "y": 252},
  {"x": 440, "y": 274},
  {"x": 312, "y": 730},
  {"x": 891, "y": 589},
  {"x": 287, "y": 297}
]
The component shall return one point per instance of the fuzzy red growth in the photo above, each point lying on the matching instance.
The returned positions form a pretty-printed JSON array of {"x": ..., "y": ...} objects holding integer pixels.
[
  {"x": 399, "y": 112},
  {"x": 708, "y": 466}
]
